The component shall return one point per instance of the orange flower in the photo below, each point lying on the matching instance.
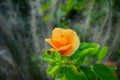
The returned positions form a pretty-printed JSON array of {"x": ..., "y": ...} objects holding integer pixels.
[{"x": 65, "y": 41}]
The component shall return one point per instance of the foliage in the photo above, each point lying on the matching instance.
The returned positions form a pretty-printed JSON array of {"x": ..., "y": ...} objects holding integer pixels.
[
  {"x": 78, "y": 65},
  {"x": 88, "y": 17}
]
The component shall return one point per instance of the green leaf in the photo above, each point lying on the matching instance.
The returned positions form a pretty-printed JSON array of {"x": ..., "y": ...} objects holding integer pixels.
[
  {"x": 61, "y": 75},
  {"x": 84, "y": 50},
  {"x": 87, "y": 49},
  {"x": 53, "y": 70},
  {"x": 102, "y": 53},
  {"x": 79, "y": 61},
  {"x": 82, "y": 55},
  {"x": 51, "y": 56},
  {"x": 113, "y": 68},
  {"x": 72, "y": 74},
  {"x": 88, "y": 73},
  {"x": 84, "y": 45},
  {"x": 103, "y": 72}
]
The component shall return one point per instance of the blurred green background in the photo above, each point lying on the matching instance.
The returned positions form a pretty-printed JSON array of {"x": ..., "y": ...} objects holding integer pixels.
[{"x": 24, "y": 24}]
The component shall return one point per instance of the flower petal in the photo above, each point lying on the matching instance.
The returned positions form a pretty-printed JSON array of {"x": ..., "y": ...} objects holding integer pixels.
[
  {"x": 65, "y": 41},
  {"x": 50, "y": 42}
]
